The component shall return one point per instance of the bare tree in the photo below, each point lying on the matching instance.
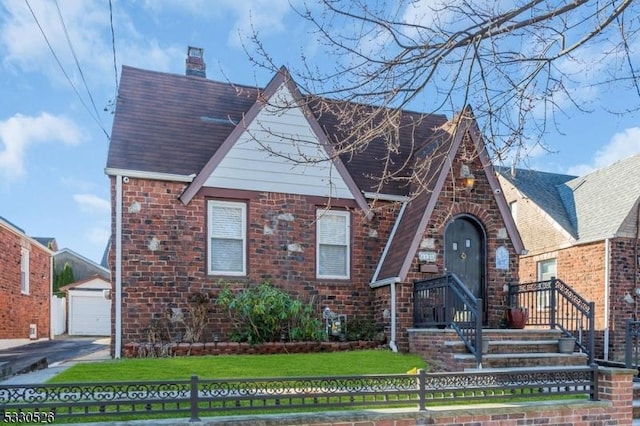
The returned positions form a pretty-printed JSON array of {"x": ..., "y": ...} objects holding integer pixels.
[{"x": 518, "y": 63}]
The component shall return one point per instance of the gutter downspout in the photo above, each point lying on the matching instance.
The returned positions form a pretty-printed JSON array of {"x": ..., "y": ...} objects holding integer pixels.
[
  {"x": 392, "y": 341},
  {"x": 118, "y": 272},
  {"x": 607, "y": 310}
]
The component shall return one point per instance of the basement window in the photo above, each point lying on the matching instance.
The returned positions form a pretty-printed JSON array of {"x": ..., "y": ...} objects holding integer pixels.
[{"x": 227, "y": 225}]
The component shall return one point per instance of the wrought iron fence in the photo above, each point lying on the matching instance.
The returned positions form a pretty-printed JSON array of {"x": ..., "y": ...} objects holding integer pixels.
[
  {"x": 554, "y": 304},
  {"x": 446, "y": 302},
  {"x": 198, "y": 397},
  {"x": 632, "y": 345}
]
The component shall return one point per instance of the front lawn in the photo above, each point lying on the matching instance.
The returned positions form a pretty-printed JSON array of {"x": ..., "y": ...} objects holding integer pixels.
[{"x": 243, "y": 366}]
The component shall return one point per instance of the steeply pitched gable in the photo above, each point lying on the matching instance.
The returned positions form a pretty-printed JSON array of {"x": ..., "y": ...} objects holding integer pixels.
[
  {"x": 415, "y": 216},
  {"x": 278, "y": 147}
]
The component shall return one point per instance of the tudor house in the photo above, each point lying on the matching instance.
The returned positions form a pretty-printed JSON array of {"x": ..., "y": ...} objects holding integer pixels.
[
  {"x": 583, "y": 230},
  {"x": 214, "y": 183}
]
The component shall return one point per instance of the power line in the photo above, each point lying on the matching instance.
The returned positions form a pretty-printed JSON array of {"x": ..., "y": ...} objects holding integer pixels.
[
  {"x": 75, "y": 58},
  {"x": 113, "y": 45},
  {"x": 64, "y": 72}
]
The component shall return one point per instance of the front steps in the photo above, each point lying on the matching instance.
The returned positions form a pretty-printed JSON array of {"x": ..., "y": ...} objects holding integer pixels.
[
  {"x": 507, "y": 348},
  {"x": 517, "y": 349}
]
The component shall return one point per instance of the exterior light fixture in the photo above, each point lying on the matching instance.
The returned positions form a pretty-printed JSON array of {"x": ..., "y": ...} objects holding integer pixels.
[{"x": 467, "y": 179}]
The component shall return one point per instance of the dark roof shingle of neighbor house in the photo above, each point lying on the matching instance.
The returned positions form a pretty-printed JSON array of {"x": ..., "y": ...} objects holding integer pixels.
[{"x": 173, "y": 124}]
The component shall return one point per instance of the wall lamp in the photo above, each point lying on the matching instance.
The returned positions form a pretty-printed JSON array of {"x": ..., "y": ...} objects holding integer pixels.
[{"x": 467, "y": 179}]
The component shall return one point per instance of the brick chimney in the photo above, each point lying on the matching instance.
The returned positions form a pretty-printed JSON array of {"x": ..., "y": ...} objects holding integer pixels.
[{"x": 195, "y": 63}]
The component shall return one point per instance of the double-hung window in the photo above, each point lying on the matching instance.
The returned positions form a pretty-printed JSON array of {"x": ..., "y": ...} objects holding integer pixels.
[
  {"x": 227, "y": 226},
  {"x": 24, "y": 270},
  {"x": 333, "y": 234},
  {"x": 546, "y": 271}
]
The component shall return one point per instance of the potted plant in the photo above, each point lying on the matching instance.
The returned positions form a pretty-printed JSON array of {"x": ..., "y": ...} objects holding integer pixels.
[
  {"x": 566, "y": 345},
  {"x": 517, "y": 317}
]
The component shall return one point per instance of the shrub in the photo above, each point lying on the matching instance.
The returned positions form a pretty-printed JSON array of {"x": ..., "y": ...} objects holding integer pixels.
[{"x": 263, "y": 313}]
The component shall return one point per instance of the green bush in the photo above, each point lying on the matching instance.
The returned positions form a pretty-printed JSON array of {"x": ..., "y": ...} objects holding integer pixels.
[
  {"x": 263, "y": 313},
  {"x": 362, "y": 329}
]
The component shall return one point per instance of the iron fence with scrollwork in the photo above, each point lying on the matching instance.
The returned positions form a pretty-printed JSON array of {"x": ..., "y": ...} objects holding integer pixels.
[{"x": 198, "y": 397}]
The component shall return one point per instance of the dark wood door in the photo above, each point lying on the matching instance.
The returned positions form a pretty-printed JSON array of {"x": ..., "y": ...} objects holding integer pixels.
[{"x": 465, "y": 254}]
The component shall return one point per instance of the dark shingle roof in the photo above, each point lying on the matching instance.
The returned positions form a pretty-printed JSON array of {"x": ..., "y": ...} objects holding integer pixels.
[
  {"x": 168, "y": 123},
  {"x": 547, "y": 190}
]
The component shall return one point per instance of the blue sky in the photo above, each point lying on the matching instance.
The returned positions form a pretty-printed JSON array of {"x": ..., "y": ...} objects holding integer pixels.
[{"x": 53, "y": 145}]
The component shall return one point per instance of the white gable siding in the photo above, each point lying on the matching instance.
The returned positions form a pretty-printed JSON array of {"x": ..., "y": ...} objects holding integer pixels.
[{"x": 279, "y": 152}]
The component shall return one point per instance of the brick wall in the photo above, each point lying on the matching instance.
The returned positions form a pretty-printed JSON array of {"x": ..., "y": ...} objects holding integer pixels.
[
  {"x": 164, "y": 253},
  {"x": 583, "y": 268},
  {"x": 17, "y": 310},
  {"x": 479, "y": 204}
]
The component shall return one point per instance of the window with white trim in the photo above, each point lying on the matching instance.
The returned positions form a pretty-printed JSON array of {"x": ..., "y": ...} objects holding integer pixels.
[
  {"x": 546, "y": 271},
  {"x": 24, "y": 270},
  {"x": 333, "y": 235},
  {"x": 227, "y": 225}
]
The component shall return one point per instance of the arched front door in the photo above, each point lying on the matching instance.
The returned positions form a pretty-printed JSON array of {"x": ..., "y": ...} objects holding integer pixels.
[{"x": 465, "y": 253}]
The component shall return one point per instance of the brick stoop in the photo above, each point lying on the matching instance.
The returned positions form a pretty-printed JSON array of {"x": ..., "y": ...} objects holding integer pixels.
[{"x": 505, "y": 349}]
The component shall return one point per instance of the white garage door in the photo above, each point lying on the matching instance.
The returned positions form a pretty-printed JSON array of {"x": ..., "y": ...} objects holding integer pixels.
[{"x": 89, "y": 313}]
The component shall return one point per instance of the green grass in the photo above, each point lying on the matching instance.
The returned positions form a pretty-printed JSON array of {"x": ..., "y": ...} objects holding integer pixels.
[{"x": 243, "y": 366}]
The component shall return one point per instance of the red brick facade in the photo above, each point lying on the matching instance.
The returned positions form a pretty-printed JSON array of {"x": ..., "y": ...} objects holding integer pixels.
[
  {"x": 280, "y": 243},
  {"x": 164, "y": 250},
  {"x": 18, "y": 310}
]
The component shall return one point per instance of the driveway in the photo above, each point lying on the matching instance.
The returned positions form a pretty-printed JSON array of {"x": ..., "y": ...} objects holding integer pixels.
[{"x": 49, "y": 354}]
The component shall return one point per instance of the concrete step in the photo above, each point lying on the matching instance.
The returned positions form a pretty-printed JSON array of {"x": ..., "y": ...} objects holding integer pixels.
[
  {"x": 528, "y": 360},
  {"x": 636, "y": 409}
]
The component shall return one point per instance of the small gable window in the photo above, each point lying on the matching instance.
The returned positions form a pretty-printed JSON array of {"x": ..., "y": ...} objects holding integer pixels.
[
  {"x": 332, "y": 244},
  {"x": 227, "y": 225},
  {"x": 24, "y": 271}
]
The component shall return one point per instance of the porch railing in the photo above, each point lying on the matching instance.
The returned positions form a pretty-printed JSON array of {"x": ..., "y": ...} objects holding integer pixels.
[
  {"x": 446, "y": 302},
  {"x": 632, "y": 345},
  {"x": 554, "y": 304}
]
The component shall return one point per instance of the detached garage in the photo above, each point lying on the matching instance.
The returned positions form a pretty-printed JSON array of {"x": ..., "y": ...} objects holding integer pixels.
[{"x": 89, "y": 307}]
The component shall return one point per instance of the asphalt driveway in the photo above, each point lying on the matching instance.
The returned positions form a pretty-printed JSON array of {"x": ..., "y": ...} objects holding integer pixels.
[{"x": 18, "y": 360}]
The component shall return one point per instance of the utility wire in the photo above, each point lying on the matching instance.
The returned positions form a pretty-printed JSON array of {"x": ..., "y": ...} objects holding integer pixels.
[
  {"x": 75, "y": 58},
  {"x": 64, "y": 72},
  {"x": 113, "y": 45}
]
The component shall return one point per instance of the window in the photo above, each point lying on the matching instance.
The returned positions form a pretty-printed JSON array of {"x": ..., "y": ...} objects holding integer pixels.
[
  {"x": 546, "y": 271},
  {"x": 332, "y": 244},
  {"x": 227, "y": 225},
  {"x": 24, "y": 271}
]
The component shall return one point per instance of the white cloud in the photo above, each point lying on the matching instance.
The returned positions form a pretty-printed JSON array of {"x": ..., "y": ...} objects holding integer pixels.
[
  {"x": 621, "y": 145},
  {"x": 92, "y": 203},
  {"x": 20, "y": 132},
  {"x": 88, "y": 27}
]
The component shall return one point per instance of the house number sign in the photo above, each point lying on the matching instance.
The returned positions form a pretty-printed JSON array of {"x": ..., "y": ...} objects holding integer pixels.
[{"x": 427, "y": 256}]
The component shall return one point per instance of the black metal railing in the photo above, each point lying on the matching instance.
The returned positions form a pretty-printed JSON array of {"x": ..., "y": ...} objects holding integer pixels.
[
  {"x": 446, "y": 302},
  {"x": 632, "y": 345},
  {"x": 554, "y": 304},
  {"x": 198, "y": 397}
]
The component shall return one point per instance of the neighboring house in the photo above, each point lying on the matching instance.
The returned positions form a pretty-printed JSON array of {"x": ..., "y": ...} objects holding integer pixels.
[
  {"x": 25, "y": 284},
  {"x": 81, "y": 266},
  {"x": 205, "y": 192},
  {"x": 584, "y": 231},
  {"x": 89, "y": 306}
]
